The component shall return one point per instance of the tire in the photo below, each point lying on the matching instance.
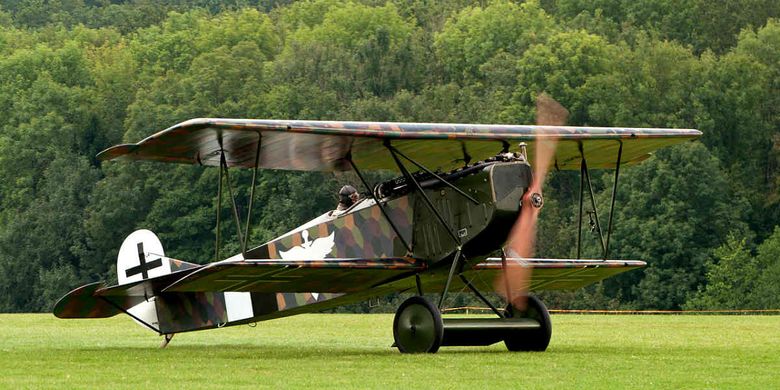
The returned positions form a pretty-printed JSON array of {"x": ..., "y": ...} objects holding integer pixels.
[
  {"x": 418, "y": 327},
  {"x": 531, "y": 340}
]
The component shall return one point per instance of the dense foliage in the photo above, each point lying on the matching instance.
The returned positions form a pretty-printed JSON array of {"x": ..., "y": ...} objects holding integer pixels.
[{"x": 77, "y": 76}]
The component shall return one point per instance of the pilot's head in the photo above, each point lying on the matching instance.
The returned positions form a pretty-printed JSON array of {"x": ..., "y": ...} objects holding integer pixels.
[{"x": 347, "y": 196}]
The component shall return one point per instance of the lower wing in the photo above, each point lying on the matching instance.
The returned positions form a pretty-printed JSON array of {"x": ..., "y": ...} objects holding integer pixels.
[
  {"x": 96, "y": 300},
  {"x": 561, "y": 274}
]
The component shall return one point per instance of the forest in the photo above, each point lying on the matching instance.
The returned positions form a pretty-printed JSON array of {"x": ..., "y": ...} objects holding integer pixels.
[{"x": 77, "y": 76}]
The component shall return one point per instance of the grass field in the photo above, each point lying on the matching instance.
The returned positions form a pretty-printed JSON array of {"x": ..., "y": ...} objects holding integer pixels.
[{"x": 345, "y": 350}]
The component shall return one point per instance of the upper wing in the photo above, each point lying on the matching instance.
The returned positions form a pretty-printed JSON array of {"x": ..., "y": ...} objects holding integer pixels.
[
  {"x": 325, "y": 145},
  {"x": 322, "y": 276},
  {"x": 562, "y": 274}
]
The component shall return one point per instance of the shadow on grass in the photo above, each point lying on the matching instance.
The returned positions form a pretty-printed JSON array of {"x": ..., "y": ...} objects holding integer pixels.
[
  {"x": 240, "y": 351},
  {"x": 283, "y": 352}
]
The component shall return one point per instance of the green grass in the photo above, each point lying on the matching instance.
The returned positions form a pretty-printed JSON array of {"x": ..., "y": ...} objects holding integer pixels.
[{"x": 344, "y": 350}]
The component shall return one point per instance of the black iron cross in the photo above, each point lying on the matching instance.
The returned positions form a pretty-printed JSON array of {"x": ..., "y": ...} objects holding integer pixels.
[
  {"x": 245, "y": 282},
  {"x": 144, "y": 267}
]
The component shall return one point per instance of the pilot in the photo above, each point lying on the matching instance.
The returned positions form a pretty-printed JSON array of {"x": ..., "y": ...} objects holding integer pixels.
[{"x": 348, "y": 195}]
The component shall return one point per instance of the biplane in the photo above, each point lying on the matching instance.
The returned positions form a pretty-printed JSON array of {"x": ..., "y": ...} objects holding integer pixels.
[{"x": 461, "y": 214}]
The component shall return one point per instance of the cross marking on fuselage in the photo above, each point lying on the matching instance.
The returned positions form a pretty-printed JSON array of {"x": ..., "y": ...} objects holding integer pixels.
[
  {"x": 144, "y": 267},
  {"x": 239, "y": 282}
]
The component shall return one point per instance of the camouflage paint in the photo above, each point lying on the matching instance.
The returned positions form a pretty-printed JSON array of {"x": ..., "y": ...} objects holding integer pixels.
[{"x": 364, "y": 233}]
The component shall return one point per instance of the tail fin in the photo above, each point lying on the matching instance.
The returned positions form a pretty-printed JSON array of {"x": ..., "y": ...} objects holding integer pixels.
[{"x": 142, "y": 257}]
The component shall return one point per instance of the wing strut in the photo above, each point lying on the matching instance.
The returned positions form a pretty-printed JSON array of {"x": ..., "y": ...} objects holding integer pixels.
[
  {"x": 579, "y": 216},
  {"x": 585, "y": 179},
  {"x": 614, "y": 195},
  {"x": 252, "y": 192},
  {"x": 219, "y": 207},
  {"x": 224, "y": 176},
  {"x": 233, "y": 203}
]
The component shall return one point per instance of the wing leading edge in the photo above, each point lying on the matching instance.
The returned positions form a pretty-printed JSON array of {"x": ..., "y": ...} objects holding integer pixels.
[{"x": 325, "y": 145}]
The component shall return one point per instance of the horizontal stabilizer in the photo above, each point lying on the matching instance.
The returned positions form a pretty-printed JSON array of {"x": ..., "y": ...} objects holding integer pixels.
[
  {"x": 271, "y": 275},
  {"x": 563, "y": 274},
  {"x": 83, "y": 303},
  {"x": 96, "y": 300}
]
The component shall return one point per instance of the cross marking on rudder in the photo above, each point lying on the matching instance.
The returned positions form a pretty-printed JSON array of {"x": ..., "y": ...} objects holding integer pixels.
[{"x": 144, "y": 267}]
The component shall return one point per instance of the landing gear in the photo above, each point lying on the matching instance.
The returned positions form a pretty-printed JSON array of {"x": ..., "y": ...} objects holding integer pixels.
[
  {"x": 531, "y": 339},
  {"x": 418, "y": 327}
]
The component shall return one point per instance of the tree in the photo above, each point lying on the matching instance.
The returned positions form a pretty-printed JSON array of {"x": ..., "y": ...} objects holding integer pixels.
[
  {"x": 43, "y": 238},
  {"x": 696, "y": 23},
  {"x": 476, "y": 34},
  {"x": 731, "y": 279},
  {"x": 742, "y": 101},
  {"x": 673, "y": 210},
  {"x": 737, "y": 279},
  {"x": 563, "y": 67},
  {"x": 355, "y": 52},
  {"x": 767, "y": 292}
]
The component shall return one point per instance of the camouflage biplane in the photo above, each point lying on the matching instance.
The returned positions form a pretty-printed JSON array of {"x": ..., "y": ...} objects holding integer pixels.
[{"x": 461, "y": 215}]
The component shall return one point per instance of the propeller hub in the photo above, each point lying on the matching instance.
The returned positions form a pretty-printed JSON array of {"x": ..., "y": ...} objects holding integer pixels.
[{"x": 537, "y": 200}]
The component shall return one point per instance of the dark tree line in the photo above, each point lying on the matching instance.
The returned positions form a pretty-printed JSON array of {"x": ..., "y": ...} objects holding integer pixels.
[{"x": 77, "y": 76}]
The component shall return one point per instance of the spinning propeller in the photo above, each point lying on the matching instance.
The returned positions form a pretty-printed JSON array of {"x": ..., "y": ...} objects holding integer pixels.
[{"x": 513, "y": 283}]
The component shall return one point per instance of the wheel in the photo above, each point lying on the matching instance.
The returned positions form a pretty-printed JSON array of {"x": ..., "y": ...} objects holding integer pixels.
[
  {"x": 531, "y": 340},
  {"x": 418, "y": 327}
]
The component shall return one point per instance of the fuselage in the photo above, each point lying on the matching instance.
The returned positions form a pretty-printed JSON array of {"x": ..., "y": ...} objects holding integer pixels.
[{"x": 478, "y": 225}]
